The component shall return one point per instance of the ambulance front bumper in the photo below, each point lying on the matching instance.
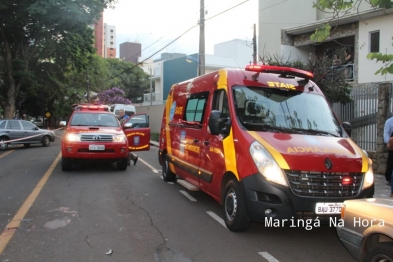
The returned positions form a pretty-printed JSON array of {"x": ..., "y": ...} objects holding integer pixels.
[{"x": 265, "y": 199}]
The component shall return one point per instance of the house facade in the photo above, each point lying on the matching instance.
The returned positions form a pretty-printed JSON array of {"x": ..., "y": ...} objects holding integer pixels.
[{"x": 284, "y": 31}]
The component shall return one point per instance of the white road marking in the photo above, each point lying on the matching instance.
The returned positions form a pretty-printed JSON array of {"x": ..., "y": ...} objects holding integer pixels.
[
  {"x": 217, "y": 218},
  {"x": 147, "y": 164},
  {"x": 268, "y": 257},
  {"x": 188, "y": 196}
]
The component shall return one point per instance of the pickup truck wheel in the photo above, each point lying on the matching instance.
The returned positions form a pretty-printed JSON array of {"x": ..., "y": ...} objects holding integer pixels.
[
  {"x": 45, "y": 141},
  {"x": 167, "y": 174},
  {"x": 235, "y": 215},
  {"x": 380, "y": 252},
  {"x": 122, "y": 165},
  {"x": 66, "y": 164},
  {"x": 3, "y": 144}
]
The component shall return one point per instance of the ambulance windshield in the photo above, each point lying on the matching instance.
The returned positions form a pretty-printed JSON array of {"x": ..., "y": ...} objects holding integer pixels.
[{"x": 276, "y": 110}]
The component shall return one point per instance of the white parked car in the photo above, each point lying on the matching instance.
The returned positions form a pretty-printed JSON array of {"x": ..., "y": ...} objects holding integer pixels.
[{"x": 367, "y": 229}]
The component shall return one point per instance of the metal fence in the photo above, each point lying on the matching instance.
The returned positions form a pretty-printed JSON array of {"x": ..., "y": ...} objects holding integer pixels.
[{"x": 362, "y": 114}]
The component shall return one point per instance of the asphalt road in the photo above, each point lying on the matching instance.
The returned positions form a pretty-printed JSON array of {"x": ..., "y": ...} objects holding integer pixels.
[{"x": 85, "y": 214}]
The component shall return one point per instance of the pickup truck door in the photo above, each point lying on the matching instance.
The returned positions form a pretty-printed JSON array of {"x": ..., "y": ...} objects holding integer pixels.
[{"x": 137, "y": 131}]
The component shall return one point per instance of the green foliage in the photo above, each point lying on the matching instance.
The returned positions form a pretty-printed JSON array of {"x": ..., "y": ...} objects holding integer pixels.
[
  {"x": 41, "y": 42},
  {"x": 155, "y": 137},
  {"x": 321, "y": 33},
  {"x": 386, "y": 59},
  {"x": 338, "y": 8},
  {"x": 129, "y": 77}
]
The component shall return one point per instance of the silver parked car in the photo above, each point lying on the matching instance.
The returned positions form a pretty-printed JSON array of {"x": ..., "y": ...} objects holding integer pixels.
[
  {"x": 13, "y": 131},
  {"x": 367, "y": 229},
  {"x": 37, "y": 122}
]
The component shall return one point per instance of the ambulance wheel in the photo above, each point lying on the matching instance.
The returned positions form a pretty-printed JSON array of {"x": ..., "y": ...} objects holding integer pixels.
[
  {"x": 234, "y": 205},
  {"x": 167, "y": 174}
]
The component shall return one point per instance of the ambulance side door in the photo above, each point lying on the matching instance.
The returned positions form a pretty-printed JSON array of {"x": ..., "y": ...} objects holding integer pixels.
[
  {"x": 137, "y": 131},
  {"x": 212, "y": 165},
  {"x": 191, "y": 134}
]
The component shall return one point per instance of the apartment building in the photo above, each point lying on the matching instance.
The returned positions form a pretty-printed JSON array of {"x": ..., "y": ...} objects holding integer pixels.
[{"x": 109, "y": 41}]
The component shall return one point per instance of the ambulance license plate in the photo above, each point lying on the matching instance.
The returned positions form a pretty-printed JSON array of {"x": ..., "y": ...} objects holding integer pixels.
[
  {"x": 97, "y": 147},
  {"x": 328, "y": 208}
]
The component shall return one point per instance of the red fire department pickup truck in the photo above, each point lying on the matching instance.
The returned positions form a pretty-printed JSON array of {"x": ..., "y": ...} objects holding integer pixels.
[{"x": 93, "y": 133}]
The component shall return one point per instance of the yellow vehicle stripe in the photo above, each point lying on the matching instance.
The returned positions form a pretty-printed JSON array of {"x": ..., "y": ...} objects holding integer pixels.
[
  {"x": 276, "y": 155},
  {"x": 359, "y": 151},
  {"x": 168, "y": 135},
  {"x": 228, "y": 143}
]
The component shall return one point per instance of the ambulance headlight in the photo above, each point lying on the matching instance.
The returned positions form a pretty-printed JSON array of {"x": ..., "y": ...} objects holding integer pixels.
[
  {"x": 266, "y": 164},
  {"x": 73, "y": 137},
  {"x": 119, "y": 138},
  {"x": 369, "y": 176}
]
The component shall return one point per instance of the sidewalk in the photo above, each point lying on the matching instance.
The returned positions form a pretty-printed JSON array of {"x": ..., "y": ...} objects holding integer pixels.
[{"x": 382, "y": 190}]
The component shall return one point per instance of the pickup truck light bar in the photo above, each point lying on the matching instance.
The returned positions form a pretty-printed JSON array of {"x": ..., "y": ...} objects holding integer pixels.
[{"x": 90, "y": 107}]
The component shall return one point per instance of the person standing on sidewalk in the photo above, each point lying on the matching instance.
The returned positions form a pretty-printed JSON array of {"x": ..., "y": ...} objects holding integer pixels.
[
  {"x": 390, "y": 148},
  {"x": 387, "y": 134}
]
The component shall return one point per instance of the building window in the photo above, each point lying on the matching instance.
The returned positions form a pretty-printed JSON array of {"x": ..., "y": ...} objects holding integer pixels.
[
  {"x": 111, "y": 48},
  {"x": 112, "y": 36},
  {"x": 111, "y": 31},
  {"x": 374, "y": 42},
  {"x": 111, "y": 43}
]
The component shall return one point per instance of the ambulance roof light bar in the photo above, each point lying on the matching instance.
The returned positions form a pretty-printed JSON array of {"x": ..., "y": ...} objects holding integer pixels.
[{"x": 283, "y": 71}]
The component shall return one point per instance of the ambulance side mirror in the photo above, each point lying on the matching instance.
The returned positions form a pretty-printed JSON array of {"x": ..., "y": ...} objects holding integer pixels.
[
  {"x": 347, "y": 127},
  {"x": 218, "y": 124}
]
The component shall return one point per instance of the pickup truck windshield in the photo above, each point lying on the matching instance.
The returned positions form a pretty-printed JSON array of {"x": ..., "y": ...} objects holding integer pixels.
[{"x": 277, "y": 110}]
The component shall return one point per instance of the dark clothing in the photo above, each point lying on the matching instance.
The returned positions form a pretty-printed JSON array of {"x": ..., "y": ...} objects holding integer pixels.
[{"x": 389, "y": 165}]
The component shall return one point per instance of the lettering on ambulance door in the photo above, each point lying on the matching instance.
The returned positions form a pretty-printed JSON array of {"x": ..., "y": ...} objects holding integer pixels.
[
  {"x": 212, "y": 155},
  {"x": 191, "y": 135},
  {"x": 137, "y": 131}
]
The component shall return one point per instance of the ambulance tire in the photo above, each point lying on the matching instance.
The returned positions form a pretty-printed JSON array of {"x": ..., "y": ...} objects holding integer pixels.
[
  {"x": 167, "y": 174},
  {"x": 235, "y": 215}
]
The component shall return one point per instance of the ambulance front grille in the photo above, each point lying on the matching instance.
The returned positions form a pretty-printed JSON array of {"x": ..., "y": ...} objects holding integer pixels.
[{"x": 324, "y": 184}]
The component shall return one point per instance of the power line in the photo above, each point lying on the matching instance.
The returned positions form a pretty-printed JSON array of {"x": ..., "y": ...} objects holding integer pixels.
[
  {"x": 226, "y": 10},
  {"x": 129, "y": 69}
]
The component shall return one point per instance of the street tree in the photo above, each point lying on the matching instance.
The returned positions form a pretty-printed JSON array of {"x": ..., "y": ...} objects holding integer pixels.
[
  {"x": 128, "y": 77},
  {"x": 53, "y": 36},
  {"x": 338, "y": 9},
  {"x": 113, "y": 96}
]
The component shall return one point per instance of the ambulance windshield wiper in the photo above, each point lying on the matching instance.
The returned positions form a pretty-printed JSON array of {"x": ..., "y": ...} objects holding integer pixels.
[
  {"x": 313, "y": 131},
  {"x": 267, "y": 128}
]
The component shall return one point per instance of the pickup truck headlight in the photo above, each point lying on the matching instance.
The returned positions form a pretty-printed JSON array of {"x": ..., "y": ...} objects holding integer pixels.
[
  {"x": 266, "y": 164},
  {"x": 73, "y": 137},
  {"x": 369, "y": 176},
  {"x": 119, "y": 138}
]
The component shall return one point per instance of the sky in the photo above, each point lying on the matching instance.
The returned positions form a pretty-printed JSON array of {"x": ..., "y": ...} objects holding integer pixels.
[{"x": 156, "y": 23}]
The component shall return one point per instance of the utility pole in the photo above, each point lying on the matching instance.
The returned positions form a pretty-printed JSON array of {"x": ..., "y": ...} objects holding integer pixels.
[
  {"x": 87, "y": 86},
  {"x": 254, "y": 43},
  {"x": 151, "y": 86},
  {"x": 201, "y": 70}
]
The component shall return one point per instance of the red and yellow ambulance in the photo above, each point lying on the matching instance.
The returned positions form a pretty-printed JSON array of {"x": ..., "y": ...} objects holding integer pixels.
[{"x": 263, "y": 142}]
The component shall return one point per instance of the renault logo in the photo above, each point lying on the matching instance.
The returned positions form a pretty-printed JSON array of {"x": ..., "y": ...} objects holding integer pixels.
[
  {"x": 328, "y": 164},
  {"x": 96, "y": 138}
]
